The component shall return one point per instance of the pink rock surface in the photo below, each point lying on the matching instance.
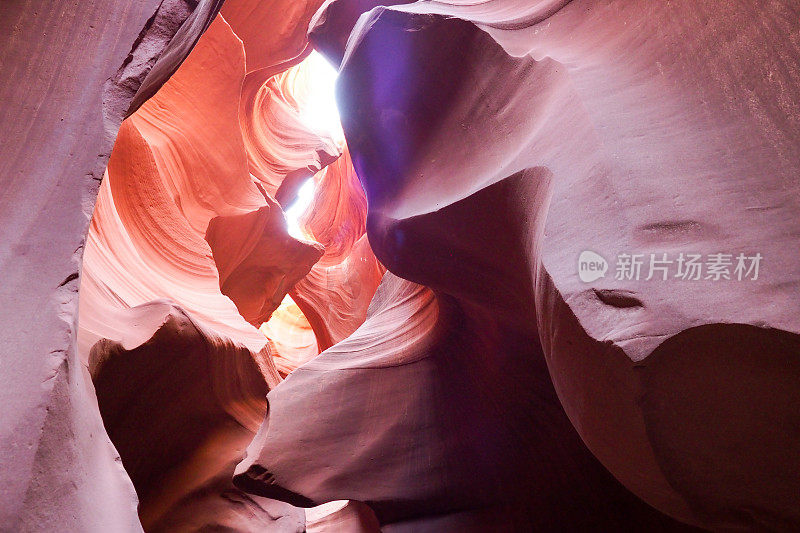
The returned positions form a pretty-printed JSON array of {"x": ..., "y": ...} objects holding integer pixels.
[
  {"x": 448, "y": 404},
  {"x": 257, "y": 260},
  {"x": 292, "y": 340},
  {"x": 280, "y": 146},
  {"x": 67, "y": 90},
  {"x": 345, "y": 517},
  {"x": 336, "y": 293},
  {"x": 183, "y": 215},
  {"x": 70, "y": 72},
  {"x": 180, "y": 449},
  {"x": 181, "y": 174},
  {"x": 633, "y": 117},
  {"x": 287, "y": 21},
  {"x": 468, "y": 379},
  {"x": 178, "y": 162},
  {"x": 330, "y": 27}
]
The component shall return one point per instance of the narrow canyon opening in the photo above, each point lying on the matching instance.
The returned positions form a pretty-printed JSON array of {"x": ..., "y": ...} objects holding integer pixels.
[
  {"x": 258, "y": 363},
  {"x": 227, "y": 248}
]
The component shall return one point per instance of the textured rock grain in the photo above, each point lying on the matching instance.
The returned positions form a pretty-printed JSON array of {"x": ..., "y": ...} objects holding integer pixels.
[{"x": 58, "y": 470}]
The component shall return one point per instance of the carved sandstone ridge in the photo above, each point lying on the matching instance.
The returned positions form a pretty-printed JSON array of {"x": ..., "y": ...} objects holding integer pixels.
[
  {"x": 627, "y": 172},
  {"x": 484, "y": 387},
  {"x": 467, "y": 426},
  {"x": 58, "y": 469},
  {"x": 162, "y": 45},
  {"x": 180, "y": 449},
  {"x": 187, "y": 211},
  {"x": 353, "y": 517},
  {"x": 286, "y": 41},
  {"x": 181, "y": 162},
  {"x": 257, "y": 260},
  {"x": 336, "y": 293},
  {"x": 330, "y": 27},
  {"x": 282, "y": 151}
]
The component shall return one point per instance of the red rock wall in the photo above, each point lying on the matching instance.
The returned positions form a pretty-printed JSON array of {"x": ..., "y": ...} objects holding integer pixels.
[
  {"x": 479, "y": 384},
  {"x": 189, "y": 254}
]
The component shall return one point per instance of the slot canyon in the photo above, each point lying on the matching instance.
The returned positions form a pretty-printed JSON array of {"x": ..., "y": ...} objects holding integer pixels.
[{"x": 351, "y": 266}]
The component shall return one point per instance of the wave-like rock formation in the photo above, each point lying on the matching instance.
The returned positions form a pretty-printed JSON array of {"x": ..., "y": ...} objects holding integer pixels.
[
  {"x": 284, "y": 42},
  {"x": 418, "y": 352},
  {"x": 282, "y": 150},
  {"x": 466, "y": 423},
  {"x": 181, "y": 216},
  {"x": 679, "y": 389},
  {"x": 258, "y": 261},
  {"x": 71, "y": 72},
  {"x": 336, "y": 293},
  {"x": 187, "y": 211},
  {"x": 292, "y": 341},
  {"x": 180, "y": 449},
  {"x": 178, "y": 162}
]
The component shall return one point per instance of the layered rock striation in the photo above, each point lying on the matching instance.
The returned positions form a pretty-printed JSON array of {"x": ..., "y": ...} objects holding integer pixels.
[{"x": 419, "y": 350}]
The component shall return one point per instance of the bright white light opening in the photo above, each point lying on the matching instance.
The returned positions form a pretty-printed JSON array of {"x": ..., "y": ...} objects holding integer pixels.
[
  {"x": 318, "y": 109},
  {"x": 304, "y": 198}
]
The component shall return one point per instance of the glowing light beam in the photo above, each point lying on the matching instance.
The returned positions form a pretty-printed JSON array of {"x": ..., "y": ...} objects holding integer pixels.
[{"x": 305, "y": 195}]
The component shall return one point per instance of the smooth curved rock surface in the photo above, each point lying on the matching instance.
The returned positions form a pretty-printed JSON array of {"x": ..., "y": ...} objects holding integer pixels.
[
  {"x": 258, "y": 261},
  {"x": 348, "y": 517},
  {"x": 175, "y": 29},
  {"x": 330, "y": 27},
  {"x": 163, "y": 185},
  {"x": 280, "y": 146},
  {"x": 697, "y": 169},
  {"x": 287, "y": 21},
  {"x": 182, "y": 171},
  {"x": 336, "y": 293},
  {"x": 180, "y": 449},
  {"x": 449, "y": 408},
  {"x": 60, "y": 115},
  {"x": 182, "y": 215},
  {"x": 483, "y": 386},
  {"x": 292, "y": 340}
]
